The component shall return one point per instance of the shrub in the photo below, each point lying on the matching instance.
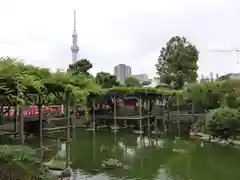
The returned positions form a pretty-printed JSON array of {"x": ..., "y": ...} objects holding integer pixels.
[{"x": 223, "y": 122}]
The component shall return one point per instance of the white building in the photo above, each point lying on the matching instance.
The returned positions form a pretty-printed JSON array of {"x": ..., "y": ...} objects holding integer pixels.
[
  {"x": 122, "y": 72},
  {"x": 141, "y": 77}
]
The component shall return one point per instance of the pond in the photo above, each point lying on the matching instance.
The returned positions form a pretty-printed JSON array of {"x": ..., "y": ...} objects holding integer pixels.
[{"x": 145, "y": 158}]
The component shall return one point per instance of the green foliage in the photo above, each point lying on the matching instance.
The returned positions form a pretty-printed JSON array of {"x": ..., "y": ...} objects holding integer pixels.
[
  {"x": 177, "y": 63},
  {"x": 18, "y": 81},
  {"x": 223, "y": 122},
  {"x": 132, "y": 82},
  {"x": 17, "y": 153},
  {"x": 214, "y": 94},
  {"x": 224, "y": 77},
  {"x": 106, "y": 80},
  {"x": 207, "y": 95},
  {"x": 82, "y": 66},
  {"x": 19, "y": 162},
  {"x": 162, "y": 91}
]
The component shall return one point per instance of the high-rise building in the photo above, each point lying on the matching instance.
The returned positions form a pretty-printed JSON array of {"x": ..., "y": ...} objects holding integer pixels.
[
  {"x": 122, "y": 72},
  {"x": 141, "y": 77},
  {"x": 74, "y": 47}
]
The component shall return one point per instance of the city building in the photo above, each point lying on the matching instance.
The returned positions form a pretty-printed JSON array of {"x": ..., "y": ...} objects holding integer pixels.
[
  {"x": 141, "y": 77},
  {"x": 122, "y": 72},
  {"x": 74, "y": 47}
]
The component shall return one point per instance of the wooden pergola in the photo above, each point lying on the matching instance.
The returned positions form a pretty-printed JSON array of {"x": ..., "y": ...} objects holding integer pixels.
[
  {"x": 142, "y": 95},
  {"x": 12, "y": 96}
]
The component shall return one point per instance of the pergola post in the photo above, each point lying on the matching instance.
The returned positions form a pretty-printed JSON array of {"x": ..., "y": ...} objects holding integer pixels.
[
  {"x": 178, "y": 111},
  {"x": 40, "y": 116},
  {"x": 68, "y": 130},
  {"x": 16, "y": 114},
  {"x": 115, "y": 112},
  {"x": 163, "y": 116},
  {"x": 140, "y": 113},
  {"x": 94, "y": 115},
  {"x": 73, "y": 123},
  {"x": 21, "y": 122},
  {"x": 148, "y": 104}
]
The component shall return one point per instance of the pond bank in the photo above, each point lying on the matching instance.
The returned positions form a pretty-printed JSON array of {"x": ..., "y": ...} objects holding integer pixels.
[
  {"x": 207, "y": 138},
  {"x": 20, "y": 162}
]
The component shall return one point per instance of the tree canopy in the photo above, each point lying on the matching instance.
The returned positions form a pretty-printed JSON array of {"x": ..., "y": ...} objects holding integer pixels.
[
  {"x": 19, "y": 80},
  {"x": 82, "y": 66},
  {"x": 132, "y": 82},
  {"x": 106, "y": 80},
  {"x": 177, "y": 62}
]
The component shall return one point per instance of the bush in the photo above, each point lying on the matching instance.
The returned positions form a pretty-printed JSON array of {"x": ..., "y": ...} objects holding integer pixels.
[
  {"x": 205, "y": 96},
  {"x": 213, "y": 94},
  {"x": 223, "y": 122},
  {"x": 20, "y": 162}
]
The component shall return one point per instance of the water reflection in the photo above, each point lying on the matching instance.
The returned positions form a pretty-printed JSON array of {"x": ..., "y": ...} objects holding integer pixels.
[
  {"x": 149, "y": 158},
  {"x": 142, "y": 142},
  {"x": 149, "y": 142},
  {"x": 62, "y": 151}
]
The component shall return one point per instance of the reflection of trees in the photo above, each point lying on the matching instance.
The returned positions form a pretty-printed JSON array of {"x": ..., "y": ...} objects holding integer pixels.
[
  {"x": 153, "y": 159},
  {"x": 205, "y": 163},
  {"x": 141, "y": 143},
  {"x": 82, "y": 154},
  {"x": 85, "y": 157},
  {"x": 141, "y": 164},
  {"x": 146, "y": 164},
  {"x": 48, "y": 154}
]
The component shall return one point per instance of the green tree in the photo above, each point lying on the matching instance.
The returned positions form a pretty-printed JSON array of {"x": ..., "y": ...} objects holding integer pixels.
[
  {"x": 106, "y": 80},
  {"x": 81, "y": 66},
  {"x": 132, "y": 82},
  {"x": 223, "y": 122},
  {"x": 224, "y": 77},
  {"x": 177, "y": 63},
  {"x": 14, "y": 74}
]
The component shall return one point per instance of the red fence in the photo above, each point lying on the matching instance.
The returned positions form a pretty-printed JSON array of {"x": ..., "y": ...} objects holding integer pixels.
[{"x": 33, "y": 110}]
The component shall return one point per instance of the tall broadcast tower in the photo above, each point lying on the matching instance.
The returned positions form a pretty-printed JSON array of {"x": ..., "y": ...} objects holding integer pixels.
[{"x": 74, "y": 47}]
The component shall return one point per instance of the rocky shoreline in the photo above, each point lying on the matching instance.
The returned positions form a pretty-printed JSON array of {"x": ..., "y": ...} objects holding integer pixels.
[
  {"x": 208, "y": 138},
  {"x": 20, "y": 162}
]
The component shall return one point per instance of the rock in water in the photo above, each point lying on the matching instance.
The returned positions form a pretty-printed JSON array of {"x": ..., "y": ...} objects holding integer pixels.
[
  {"x": 65, "y": 175},
  {"x": 111, "y": 163}
]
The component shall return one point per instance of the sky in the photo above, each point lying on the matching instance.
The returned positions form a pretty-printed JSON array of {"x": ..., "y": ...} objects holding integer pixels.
[{"x": 120, "y": 31}]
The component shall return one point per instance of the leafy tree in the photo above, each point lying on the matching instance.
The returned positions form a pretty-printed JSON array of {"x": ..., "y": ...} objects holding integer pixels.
[
  {"x": 223, "y": 122},
  {"x": 37, "y": 72},
  {"x": 177, "y": 63},
  {"x": 106, "y": 80},
  {"x": 213, "y": 94},
  {"x": 208, "y": 95},
  {"x": 15, "y": 74},
  {"x": 81, "y": 66},
  {"x": 132, "y": 82},
  {"x": 224, "y": 77}
]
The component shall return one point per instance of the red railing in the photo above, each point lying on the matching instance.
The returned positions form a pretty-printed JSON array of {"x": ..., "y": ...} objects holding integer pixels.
[{"x": 33, "y": 110}]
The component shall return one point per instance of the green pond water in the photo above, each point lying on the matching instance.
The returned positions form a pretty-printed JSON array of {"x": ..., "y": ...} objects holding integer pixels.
[{"x": 146, "y": 158}]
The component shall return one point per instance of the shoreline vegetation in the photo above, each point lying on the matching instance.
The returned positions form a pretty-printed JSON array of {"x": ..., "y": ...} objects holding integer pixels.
[
  {"x": 210, "y": 139},
  {"x": 20, "y": 162}
]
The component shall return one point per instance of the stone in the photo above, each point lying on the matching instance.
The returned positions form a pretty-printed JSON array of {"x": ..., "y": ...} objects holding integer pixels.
[{"x": 111, "y": 163}]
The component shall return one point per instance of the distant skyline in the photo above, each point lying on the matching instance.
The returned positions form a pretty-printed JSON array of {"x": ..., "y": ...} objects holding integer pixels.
[
  {"x": 122, "y": 72},
  {"x": 115, "y": 32}
]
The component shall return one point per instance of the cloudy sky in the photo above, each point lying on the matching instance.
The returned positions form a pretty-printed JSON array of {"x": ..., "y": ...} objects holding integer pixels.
[{"x": 119, "y": 31}]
